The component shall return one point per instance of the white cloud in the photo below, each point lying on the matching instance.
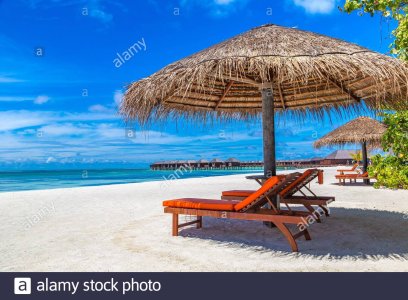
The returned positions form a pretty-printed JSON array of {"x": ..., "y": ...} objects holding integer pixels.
[
  {"x": 83, "y": 140},
  {"x": 41, "y": 99},
  {"x": 223, "y": 2},
  {"x": 110, "y": 108},
  {"x": 50, "y": 160},
  {"x": 109, "y": 131},
  {"x": 65, "y": 129},
  {"x": 101, "y": 15},
  {"x": 98, "y": 108},
  {"x": 117, "y": 97},
  {"x": 19, "y": 119},
  {"x": 10, "y": 120},
  {"x": 317, "y": 6}
]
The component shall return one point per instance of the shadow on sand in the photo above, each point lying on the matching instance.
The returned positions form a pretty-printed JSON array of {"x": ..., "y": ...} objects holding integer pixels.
[
  {"x": 358, "y": 184},
  {"x": 348, "y": 232}
]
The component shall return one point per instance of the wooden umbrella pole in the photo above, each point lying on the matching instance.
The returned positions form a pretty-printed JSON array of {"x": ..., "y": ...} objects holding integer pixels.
[
  {"x": 365, "y": 160},
  {"x": 268, "y": 125}
]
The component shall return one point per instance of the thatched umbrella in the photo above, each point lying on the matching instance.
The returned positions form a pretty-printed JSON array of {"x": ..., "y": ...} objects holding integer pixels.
[
  {"x": 267, "y": 69},
  {"x": 363, "y": 130}
]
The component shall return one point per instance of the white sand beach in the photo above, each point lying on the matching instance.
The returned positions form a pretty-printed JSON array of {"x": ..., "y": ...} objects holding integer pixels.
[{"x": 123, "y": 228}]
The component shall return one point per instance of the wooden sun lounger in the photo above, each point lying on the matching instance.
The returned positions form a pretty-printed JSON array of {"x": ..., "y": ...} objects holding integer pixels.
[
  {"x": 251, "y": 208},
  {"x": 353, "y": 169},
  {"x": 352, "y": 177},
  {"x": 286, "y": 196}
]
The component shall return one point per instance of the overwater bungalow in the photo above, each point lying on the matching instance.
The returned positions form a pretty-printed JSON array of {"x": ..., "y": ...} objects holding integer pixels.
[{"x": 336, "y": 158}]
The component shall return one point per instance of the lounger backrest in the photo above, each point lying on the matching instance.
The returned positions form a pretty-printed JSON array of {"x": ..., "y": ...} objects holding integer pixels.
[
  {"x": 354, "y": 167},
  {"x": 255, "y": 197},
  {"x": 315, "y": 173},
  {"x": 300, "y": 182},
  {"x": 270, "y": 188}
]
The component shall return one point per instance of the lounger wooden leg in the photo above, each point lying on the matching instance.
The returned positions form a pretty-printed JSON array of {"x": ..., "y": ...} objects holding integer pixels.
[
  {"x": 307, "y": 235},
  {"x": 326, "y": 211},
  {"x": 312, "y": 210},
  {"x": 286, "y": 232},
  {"x": 200, "y": 222},
  {"x": 175, "y": 224}
]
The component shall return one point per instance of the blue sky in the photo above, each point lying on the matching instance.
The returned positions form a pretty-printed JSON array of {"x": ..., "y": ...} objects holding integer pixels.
[{"x": 60, "y": 88}]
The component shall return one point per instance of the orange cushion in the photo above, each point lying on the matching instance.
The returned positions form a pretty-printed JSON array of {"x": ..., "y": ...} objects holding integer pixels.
[
  {"x": 305, "y": 174},
  {"x": 269, "y": 184},
  {"x": 197, "y": 203},
  {"x": 238, "y": 193}
]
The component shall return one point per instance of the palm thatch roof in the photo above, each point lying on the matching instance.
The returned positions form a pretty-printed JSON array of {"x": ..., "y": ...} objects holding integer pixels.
[
  {"x": 341, "y": 155},
  {"x": 308, "y": 72},
  {"x": 232, "y": 159},
  {"x": 216, "y": 160},
  {"x": 357, "y": 131}
]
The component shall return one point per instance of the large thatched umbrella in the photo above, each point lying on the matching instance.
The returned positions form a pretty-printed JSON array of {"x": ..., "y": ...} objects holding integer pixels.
[
  {"x": 267, "y": 69},
  {"x": 363, "y": 130}
]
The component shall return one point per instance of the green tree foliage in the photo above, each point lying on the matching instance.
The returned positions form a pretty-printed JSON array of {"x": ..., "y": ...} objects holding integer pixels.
[
  {"x": 395, "y": 9},
  {"x": 392, "y": 170},
  {"x": 358, "y": 156},
  {"x": 396, "y": 137},
  {"x": 389, "y": 172}
]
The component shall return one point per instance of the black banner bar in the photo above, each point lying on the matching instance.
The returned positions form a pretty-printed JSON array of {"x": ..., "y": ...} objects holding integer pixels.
[{"x": 203, "y": 285}]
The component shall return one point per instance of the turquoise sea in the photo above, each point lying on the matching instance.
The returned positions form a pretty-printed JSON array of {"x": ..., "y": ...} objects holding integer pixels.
[{"x": 39, "y": 180}]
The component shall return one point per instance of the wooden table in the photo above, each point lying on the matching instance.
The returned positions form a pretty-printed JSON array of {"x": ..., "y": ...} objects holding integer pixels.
[{"x": 258, "y": 178}]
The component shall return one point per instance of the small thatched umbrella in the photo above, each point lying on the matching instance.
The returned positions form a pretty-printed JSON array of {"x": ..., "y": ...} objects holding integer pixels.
[
  {"x": 267, "y": 69},
  {"x": 363, "y": 130}
]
